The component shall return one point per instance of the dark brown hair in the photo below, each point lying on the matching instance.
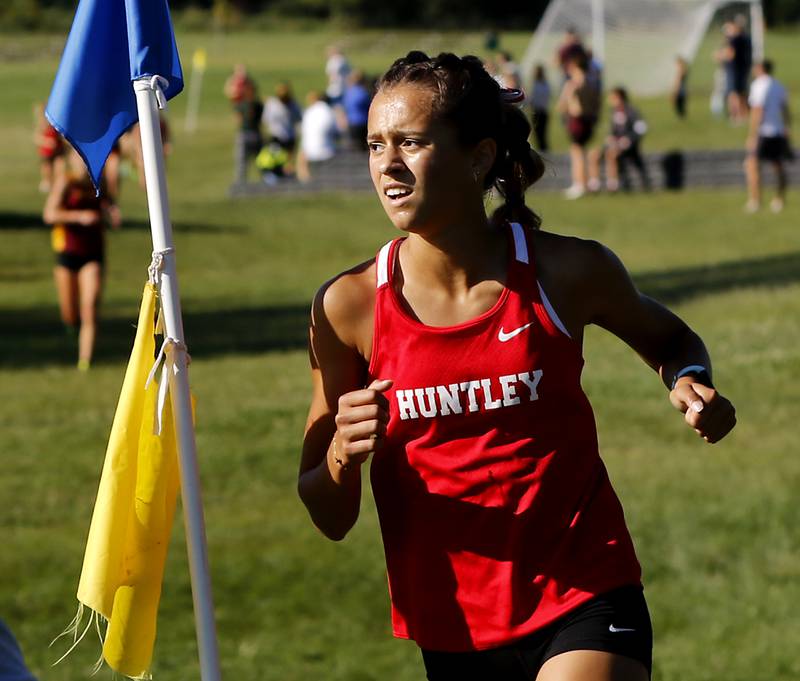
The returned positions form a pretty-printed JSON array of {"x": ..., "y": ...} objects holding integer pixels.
[
  {"x": 469, "y": 99},
  {"x": 621, "y": 92}
]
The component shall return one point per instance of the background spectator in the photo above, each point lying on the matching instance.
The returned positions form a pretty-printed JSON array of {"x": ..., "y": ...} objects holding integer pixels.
[
  {"x": 337, "y": 69},
  {"x": 507, "y": 71},
  {"x": 679, "y": 87},
  {"x": 236, "y": 83},
  {"x": 282, "y": 115},
  {"x": 768, "y": 138},
  {"x": 272, "y": 162},
  {"x": 356, "y": 103},
  {"x": 716, "y": 101},
  {"x": 594, "y": 71},
  {"x": 570, "y": 49},
  {"x": 579, "y": 103},
  {"x": 737, "y": 61},
  {"x": 248, "y": 110},
  {"x": 318, "y": 135},
  {"x": 540, "y": 103},
  {"x": 622, "y": 145},
  {"x": 50, "y": 146}
]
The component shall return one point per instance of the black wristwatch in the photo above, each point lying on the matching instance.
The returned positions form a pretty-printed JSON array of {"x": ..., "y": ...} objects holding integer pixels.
[{"x": 696, "y": 371}]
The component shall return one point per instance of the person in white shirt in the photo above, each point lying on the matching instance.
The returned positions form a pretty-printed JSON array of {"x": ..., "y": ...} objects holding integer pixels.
[
  {"x": 318, "y": 133},
  {"x": 768, "y": 138},
  {"x": 281, "y": 116},
  {"x": 337, "y": 68}
]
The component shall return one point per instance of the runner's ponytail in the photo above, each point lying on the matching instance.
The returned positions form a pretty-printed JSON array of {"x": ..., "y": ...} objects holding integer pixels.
[{"x": 517, "y": 167}]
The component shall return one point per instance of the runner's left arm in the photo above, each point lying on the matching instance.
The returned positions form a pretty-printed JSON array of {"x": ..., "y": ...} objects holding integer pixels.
[{"x": 663, "y": 340}]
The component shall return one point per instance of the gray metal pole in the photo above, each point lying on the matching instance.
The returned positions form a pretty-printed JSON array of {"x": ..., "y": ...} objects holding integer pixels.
[{"x": 757, "y": 30}]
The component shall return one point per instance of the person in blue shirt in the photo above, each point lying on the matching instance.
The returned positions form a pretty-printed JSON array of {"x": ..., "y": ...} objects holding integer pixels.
[{"x": 356, "y": 101}]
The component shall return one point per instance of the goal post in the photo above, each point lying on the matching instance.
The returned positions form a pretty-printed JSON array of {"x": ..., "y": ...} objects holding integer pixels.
[{"x": 636, "y": 41}]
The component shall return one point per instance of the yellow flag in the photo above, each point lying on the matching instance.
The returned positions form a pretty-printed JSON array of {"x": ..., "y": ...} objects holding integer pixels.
[{"x": 127, "y": 547}]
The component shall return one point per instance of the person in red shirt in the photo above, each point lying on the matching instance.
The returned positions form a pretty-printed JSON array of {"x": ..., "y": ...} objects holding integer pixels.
[
  {"x": 453, "y": 361},
  {"x": 50, "y": 147},
  {"x": 236, "y": 84}
]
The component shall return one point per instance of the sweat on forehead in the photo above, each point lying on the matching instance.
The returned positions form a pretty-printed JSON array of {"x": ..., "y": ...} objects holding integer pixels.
[
  {"x": 462, "y": 92},
  {"x": 408, "y": 97}
]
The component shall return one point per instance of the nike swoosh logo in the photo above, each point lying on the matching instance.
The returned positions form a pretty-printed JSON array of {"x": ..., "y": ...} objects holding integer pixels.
[
  {"x": 502, "y": 336},
  {"x": 615, "y": 630}
]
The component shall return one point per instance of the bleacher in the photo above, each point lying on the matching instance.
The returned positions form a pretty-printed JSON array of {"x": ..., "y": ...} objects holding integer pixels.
[{"x": 348, "y": 171}]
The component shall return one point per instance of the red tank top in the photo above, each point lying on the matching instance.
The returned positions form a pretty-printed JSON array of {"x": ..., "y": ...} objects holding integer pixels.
[
  {"x": 496, "y": 511},
  {"x": 77, "y": 239}
]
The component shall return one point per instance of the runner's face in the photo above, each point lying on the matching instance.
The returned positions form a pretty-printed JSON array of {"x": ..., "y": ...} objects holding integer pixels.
[{"x": 422, "y": 174}]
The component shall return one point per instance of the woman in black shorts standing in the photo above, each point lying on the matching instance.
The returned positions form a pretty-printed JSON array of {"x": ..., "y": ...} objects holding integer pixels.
[{"x": 579, "y": 105}]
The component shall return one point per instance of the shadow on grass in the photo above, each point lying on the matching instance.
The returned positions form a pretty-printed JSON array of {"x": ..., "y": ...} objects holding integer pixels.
[
  {"x": 12, "y": 220},
  {"x": 677, "y": 285},
  {"x": 35, "y": 337}
]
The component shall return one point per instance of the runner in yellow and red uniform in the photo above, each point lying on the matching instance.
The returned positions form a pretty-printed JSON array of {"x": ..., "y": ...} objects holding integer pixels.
[{"x": 79, "y": 218}]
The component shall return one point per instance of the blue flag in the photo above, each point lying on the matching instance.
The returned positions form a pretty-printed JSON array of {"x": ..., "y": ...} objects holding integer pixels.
[{"x": 92, "y": 102}]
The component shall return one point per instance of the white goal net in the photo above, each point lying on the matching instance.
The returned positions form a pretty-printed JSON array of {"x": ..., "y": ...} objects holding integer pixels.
[{"x": 636, "y": 41}]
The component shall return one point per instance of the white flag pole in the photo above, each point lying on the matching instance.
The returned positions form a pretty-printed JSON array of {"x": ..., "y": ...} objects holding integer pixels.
[{"x": 149, "y": 97}]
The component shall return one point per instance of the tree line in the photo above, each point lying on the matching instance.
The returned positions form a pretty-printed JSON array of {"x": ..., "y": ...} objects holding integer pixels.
[{"x": 436, "y": 14}]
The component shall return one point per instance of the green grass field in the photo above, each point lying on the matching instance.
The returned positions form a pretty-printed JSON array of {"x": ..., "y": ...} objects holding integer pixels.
[{"x": 716, "y": 527}]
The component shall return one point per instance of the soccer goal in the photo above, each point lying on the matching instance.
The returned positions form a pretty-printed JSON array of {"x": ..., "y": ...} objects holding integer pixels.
[{"x": 636, "y": 41}]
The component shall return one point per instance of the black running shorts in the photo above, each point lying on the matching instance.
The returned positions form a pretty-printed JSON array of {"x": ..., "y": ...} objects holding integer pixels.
[
  {"x": 773, "y": 149},
  {"x": 75, "y": 263},
  {"x": 616, "y": 622}
]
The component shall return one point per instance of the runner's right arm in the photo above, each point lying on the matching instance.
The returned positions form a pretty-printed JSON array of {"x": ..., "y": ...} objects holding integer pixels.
[{"x": 346, "y": 421}]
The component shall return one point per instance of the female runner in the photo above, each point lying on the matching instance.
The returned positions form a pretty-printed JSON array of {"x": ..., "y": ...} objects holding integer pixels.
[
  {"x": 78, "y": 218},
  {"x": 506, "y": 547}
]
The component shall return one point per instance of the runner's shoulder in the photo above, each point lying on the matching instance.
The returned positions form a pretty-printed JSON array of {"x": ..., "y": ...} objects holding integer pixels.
[
  {"x": 347, "y": 301},
  {"x": 572, "y": 259}
]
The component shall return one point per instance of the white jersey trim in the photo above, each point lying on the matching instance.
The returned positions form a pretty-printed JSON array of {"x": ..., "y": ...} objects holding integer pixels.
[
  {"x": 521, "y": 248},
  {"x": 383, "y": 265},
  {"x": 520, "y": 245},
  {"x": 551, "y": 311}
]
